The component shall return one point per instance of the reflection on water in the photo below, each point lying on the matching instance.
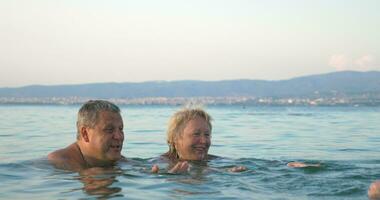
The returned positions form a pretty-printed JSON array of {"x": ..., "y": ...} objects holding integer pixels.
[{"x": 98, "y": 181}]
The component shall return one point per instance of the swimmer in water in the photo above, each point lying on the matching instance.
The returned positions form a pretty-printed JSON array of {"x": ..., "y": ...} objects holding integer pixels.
[
  {"x": 189, "y": 139},
  {"x": 99, "y": 141}
]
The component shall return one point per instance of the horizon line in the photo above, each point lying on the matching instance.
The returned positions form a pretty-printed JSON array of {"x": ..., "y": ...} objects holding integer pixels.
[{"x": 181, "y": 80}]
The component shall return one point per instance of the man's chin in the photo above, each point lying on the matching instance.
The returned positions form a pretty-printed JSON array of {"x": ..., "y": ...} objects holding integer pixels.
[{"x": 114, "y": 157}]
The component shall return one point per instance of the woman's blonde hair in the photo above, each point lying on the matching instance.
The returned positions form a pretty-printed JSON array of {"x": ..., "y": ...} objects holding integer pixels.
[{"x": 178, "y": 122}]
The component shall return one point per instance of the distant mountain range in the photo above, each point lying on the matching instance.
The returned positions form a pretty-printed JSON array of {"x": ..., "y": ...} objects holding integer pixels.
[{"x": 336, "y": 83}]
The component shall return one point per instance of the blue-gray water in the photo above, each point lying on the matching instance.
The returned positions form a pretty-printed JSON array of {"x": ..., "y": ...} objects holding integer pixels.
[{"x": 345, "y": 140}]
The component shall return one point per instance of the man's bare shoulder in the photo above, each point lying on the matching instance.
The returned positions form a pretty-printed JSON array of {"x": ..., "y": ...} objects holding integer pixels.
[
  {"x": 61, "y": 154},
  {"x": 66, "y": 158}
]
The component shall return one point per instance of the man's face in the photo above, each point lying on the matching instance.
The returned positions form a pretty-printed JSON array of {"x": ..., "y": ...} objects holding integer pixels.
[
  {"x": 195, "y": 140},
  {"x": 107, "y": 136}
]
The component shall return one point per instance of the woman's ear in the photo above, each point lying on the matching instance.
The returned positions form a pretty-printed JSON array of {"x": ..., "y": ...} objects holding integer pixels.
[
  {"x": 84, "y": 133},
  {"x": 175, "y": 143}
]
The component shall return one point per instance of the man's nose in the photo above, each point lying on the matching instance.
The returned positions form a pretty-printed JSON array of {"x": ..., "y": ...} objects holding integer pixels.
[{"x": 119, "y": 134}]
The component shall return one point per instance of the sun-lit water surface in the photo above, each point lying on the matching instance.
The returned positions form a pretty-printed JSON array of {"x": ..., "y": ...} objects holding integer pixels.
[{"x": 345, "y": 140}]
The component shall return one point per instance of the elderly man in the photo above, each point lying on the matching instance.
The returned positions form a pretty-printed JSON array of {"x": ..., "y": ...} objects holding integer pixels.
[{"x": 99, "y": 138}]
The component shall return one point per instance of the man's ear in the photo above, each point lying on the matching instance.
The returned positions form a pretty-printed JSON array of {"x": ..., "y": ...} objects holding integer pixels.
[{"x": 84, "y": 134}]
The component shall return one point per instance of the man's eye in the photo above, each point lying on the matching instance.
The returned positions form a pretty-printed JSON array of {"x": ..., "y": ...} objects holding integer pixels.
[
  {"x": 197, "y": 133},
  {"x": 109, "y": 130}
]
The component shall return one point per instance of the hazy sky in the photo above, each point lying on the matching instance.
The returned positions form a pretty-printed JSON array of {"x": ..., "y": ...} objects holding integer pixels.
[{"x": 76, "y": 41}]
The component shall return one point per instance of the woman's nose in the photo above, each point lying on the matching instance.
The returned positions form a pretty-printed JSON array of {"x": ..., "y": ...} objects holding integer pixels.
[{"x": 204, "y": 139}]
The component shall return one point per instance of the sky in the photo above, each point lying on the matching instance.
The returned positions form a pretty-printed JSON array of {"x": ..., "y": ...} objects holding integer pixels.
[{"x": 54, "y": 42}]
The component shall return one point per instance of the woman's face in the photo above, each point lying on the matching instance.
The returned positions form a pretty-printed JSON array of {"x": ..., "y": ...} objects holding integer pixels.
[{"x": 195, "y": 140}]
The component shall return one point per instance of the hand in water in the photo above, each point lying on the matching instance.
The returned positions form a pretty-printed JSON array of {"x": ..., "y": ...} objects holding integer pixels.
[
  {"x": 155, "y": 169},
  {"x": 374, "y": 191},
  {"x": 237, "y": 169},
  {"x": 180, "y": 167},
  {"x": 301, "y": 164}
]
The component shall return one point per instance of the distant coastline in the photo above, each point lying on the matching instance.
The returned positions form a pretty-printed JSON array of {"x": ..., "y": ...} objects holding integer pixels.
[
  {"x": 175, "y": 101},
  {"x": 346, "y": 88}
]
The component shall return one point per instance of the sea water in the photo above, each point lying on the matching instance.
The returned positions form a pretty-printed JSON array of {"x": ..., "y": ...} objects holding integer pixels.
[{"x": 344, "y": 140}]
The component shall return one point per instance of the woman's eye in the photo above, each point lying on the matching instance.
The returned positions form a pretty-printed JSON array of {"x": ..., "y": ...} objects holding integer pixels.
[{"x": 197, "y": 134}]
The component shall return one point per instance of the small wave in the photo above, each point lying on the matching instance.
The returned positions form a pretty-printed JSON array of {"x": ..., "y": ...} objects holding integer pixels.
[
  {"x": 6, "y": 135},
  {"x": 349, "y": 191},
  {"x": 146, "y": 131},
  {"x": 263, "y": 114},
  {"x": 352, "y": 150},
  {"x": 301, "y": 114}
]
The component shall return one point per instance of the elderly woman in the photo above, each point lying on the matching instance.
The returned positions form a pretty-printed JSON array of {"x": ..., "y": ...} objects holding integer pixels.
[{"x": 189, "y": 139}]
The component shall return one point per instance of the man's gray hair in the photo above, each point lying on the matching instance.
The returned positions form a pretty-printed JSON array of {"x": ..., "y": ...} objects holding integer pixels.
[{"x": 89, "y": 113}]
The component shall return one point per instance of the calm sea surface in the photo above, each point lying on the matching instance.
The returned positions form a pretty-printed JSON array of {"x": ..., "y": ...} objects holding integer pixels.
[{"x": 344, "y": 140}]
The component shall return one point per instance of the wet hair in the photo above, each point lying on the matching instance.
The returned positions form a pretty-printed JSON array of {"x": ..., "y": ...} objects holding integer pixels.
[
  {"x": 177, "y": 124},
  {"x": 88, "y": 114}
]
